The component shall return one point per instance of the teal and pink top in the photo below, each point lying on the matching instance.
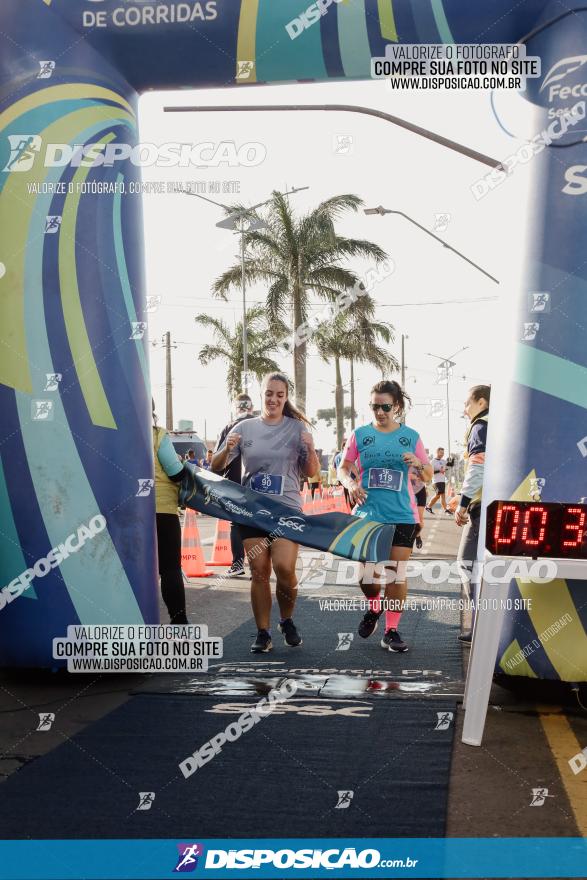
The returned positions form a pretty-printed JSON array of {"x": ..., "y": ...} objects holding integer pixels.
[{"x": 383, "y": 474}]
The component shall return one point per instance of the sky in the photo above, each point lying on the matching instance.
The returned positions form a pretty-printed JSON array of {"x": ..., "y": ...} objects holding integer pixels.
[{"x": 438, "y": 301}]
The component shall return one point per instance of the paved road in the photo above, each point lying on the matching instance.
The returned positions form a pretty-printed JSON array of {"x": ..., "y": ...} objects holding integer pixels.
[{"x": 527, "y": 744}]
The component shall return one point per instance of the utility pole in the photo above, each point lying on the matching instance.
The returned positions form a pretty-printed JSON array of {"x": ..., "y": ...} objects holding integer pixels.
[
  {"x": 404, "y": 337},
  {"x": 445, "y": 371},
  {"x": 245, "y": 383},
  {"x": 448, "y": 412},
  {"x": 168, "y": 383},
  {"x": 352, "y": 395}
]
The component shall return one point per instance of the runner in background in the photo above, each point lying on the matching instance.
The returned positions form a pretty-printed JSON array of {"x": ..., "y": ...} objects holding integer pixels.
[
  {"x": 315, "y": 481},
  {"x": 383, "y": 452},
  {"x": 277, "y": 450},
  {"x": 468, "y": 511},
  {"x": 168, "y": 475},
  {"x": 242, "y": 409},
  {"x": 439, "y": 478},
  {"x": 337, "y": 462},
  {"x": 419, "y": 490}
]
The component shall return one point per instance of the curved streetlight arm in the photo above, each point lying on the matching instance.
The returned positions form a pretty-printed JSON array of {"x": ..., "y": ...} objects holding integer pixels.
[
  {"x": 383, "y": 211},
  {"x": 345, "y": 108}
]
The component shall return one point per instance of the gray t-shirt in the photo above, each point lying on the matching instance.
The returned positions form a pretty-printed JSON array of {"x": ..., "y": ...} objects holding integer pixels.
[{"x": 272, "y": 457}]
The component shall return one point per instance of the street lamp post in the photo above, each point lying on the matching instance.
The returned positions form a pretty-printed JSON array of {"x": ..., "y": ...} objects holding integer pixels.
[
  {"x": 447, "y": 364},
  {"x": 242, "y": 222},
  {"x": 382, "y": 211}
]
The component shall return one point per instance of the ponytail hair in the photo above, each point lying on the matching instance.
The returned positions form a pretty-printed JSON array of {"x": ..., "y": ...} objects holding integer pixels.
[
  {"x": 289, "y": 409},
  {"x": 480, "y": 391},
  {"x": 394, "y": 389}
]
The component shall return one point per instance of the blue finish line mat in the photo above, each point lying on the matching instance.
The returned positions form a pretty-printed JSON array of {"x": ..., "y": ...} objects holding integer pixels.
[{"x": 345, "y": 767}]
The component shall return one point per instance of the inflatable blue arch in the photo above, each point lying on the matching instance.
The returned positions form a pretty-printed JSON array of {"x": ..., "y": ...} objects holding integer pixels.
[{"x": 75, "y": 437}]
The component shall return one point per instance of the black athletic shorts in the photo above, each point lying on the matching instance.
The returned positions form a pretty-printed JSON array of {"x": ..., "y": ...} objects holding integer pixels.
[
  {"x": 255, "y": 532},
  {"x": 440, "y": 488},
  {"x": 405, "y": 534},
  {"x": 421, "y": 497}
]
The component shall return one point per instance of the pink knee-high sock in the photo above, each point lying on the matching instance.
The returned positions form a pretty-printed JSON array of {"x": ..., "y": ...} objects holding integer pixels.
[
  {"x": 375, "y": 604},
  {"x": 392, "y": 619}
]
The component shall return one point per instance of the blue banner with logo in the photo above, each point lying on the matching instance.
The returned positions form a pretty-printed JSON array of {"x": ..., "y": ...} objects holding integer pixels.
[
  {"x": 362, "y": 539},
  {"x": 545, "y": 857}
]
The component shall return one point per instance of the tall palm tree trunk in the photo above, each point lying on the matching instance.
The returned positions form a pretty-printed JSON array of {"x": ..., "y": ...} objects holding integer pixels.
[
  {"x": 299, "y": 354},
  {"x": 339, "y": 404},
  {"x": 352, "y": 395}
]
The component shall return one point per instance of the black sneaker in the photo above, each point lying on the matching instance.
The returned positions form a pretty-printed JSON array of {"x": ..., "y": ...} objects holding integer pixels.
[
  {"x": 236, "y": 570},
  {"x": 393, "y": 641},
  {"x": 262, "y": 643},
  {"x": 290, "y": 633},
  {"x": 386, "y": 639},
  {"x": 368, "y": 625},
  {"x": 446, "y": 510},
  {"x": 429, "y": 509}
]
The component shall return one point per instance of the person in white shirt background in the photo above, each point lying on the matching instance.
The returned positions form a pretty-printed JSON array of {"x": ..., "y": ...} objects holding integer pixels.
[{"x": 439, "y": 479}]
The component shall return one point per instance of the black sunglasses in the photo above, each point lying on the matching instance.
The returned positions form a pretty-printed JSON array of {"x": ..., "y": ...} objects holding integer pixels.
[{"x": 386, "y": 407}]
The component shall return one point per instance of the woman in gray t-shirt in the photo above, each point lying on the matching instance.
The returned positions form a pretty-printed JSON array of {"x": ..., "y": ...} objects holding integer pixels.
[{"x": 276, "y": 450}]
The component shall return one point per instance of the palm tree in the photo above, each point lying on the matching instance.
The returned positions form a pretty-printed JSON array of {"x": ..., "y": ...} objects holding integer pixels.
[
  {"x": 228, "y": 346},
  {"x": 296, "y": 258},
  {"x": 364, "y": 343},
  {"x": 354, "y": 335}
]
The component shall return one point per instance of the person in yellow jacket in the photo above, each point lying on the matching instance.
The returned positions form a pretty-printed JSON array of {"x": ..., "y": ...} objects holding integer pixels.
[
  {"x": 315, "y": 482},
  {"x": 168, "y": 475}
]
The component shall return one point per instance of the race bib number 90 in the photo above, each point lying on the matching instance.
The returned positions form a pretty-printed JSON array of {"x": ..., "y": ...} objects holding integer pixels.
[
  {"x": 269, "y": 484},
  {"x": 385, "y": 478}
]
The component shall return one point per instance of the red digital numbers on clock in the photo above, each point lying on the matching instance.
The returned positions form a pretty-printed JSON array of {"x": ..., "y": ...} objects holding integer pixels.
[
  {"x": 535, "y": 508},
  {"x": 501, "y": 515},
  {"x": 527, "y": 528},
  {"x": 578, "y": 527}
]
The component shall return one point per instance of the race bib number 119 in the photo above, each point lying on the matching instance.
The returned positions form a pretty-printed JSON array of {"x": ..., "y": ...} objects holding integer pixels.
[{"x": 385, "y": 478}]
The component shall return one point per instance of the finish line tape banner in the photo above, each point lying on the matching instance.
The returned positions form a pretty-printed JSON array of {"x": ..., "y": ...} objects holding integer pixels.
[
  {"x": 363, "y": 540},
  {"x": 274, "y": 858}
]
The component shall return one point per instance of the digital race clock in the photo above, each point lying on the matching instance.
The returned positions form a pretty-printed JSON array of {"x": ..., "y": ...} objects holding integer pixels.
[{"x": 536, "y": 528}]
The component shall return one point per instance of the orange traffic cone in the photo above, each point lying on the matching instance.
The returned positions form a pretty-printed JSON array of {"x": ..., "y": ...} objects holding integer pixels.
[
  {"x": 338, "y": 498},
  {"x": 222, "y": 553},
  {"x": 192, "y": 556},
  {"x": 318, "y": 503},
  {"x": 329, "y": 502}
]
